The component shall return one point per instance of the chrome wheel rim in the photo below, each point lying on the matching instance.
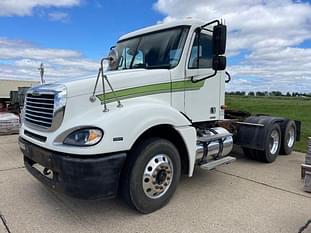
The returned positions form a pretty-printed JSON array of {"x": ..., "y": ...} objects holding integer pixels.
[
  {"x": 158, "y": 176},
  {"x": 274, "y": 141},
  {"x": 290, "y": 137}
]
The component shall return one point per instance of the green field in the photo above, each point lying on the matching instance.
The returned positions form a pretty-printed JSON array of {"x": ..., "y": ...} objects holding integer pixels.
[{"x": 291, "y": 107}]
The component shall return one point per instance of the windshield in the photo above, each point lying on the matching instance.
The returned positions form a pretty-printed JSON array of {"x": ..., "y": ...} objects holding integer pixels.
[{"x": 160, "y": 49}]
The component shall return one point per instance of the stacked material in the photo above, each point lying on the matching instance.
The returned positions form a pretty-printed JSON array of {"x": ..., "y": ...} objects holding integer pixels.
[
  {"x": 307, "y": 168},
  {"x": 9, "y": 123},
  {"x": 308, "y": 155}
]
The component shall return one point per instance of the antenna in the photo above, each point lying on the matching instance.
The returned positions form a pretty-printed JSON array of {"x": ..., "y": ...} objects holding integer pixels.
[{"x": 41, "y": 69}]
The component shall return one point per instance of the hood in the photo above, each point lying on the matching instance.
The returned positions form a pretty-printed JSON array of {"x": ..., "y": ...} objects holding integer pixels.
[{"x": 119, "y": 80}]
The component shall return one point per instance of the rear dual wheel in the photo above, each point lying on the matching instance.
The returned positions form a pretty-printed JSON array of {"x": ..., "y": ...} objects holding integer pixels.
[
  {"x": 280, "y": 139},
  {"x": 272, "y": 146},
  {"x": 289, "y": 132}
]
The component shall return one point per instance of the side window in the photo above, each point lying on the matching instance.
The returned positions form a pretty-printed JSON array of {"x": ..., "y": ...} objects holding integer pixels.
[{"x": 201, "y": 55}]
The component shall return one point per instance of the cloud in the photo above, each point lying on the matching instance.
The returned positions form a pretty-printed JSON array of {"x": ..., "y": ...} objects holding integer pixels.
[
  {"x": 10, "y": 49},
  {"x": 26, "y": 7},
  {"x": 59, "y": 16},
  {"x": 266, "y": 36},
  {"x": 20, "y": 60}
]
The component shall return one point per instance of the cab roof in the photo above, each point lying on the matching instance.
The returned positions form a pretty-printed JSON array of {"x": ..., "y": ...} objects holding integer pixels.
[{"x": 161, "y": 26}]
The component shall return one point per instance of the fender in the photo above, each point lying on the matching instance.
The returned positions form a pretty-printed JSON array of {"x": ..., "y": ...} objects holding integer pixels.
[
  {"x": 253, "y": 137},
  {"x": 189, "y": 136},
  {"x": 145, "y": 115},
  {"x": 158, "y": 113}
]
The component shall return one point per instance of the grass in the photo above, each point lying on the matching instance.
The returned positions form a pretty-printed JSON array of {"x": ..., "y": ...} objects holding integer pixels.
[{"x": 290, "y": 107}]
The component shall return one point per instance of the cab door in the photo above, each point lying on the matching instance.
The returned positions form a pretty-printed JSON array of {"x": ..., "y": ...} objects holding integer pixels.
[{"x": 202, "y": 99}]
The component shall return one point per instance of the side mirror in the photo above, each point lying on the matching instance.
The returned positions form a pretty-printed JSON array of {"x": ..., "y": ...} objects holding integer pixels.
[
  {"x": 113, "y": 59},
  {"x": 219, "y": 63},
  {"x": 219, "y": 39}
]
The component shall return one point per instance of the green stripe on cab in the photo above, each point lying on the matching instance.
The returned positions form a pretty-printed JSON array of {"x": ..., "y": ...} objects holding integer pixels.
[{"x": 152, "y": 89}]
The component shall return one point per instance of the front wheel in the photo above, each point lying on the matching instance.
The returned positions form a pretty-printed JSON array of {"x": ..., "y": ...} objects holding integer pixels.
[{"x": 151, "y": 175}]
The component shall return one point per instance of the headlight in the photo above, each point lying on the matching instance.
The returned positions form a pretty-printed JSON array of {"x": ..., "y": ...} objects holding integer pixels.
[{"x": 84, "y": 137}]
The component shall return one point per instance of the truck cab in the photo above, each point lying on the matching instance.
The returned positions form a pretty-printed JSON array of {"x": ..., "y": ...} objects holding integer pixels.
[{"x": 154, "y": 113}]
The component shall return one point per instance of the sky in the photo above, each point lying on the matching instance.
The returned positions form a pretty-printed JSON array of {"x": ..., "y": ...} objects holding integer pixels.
[{"x": 269, "y": 41}]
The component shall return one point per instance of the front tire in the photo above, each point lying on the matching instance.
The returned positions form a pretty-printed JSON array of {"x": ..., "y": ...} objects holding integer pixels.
[{"x": 151, "y": 175}]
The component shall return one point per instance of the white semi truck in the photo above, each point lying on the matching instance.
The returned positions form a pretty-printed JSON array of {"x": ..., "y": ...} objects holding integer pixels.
[{"x": 157, "y": 112}]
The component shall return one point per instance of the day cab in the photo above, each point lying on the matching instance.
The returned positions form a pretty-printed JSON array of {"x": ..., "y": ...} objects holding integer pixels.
[{"x": 156, "y": 112}]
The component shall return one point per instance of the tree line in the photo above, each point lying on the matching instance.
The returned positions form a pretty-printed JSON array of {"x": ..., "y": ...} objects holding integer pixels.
[{"x": 266, "y": 93}]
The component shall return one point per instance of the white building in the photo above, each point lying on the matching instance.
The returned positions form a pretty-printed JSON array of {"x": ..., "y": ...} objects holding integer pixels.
[{"x": 12, "y": 85}]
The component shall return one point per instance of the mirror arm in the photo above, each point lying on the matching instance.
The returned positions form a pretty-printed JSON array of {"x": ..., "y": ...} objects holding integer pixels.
[
  {"x": 205, "y": 29},
  {"x": 229, "y": 77},
  {"x": 199, "y": 80},
  {"x": 198, "y": 50},
  {"x": 212, "y": 22},
  {"x": 104, "y": 77}
]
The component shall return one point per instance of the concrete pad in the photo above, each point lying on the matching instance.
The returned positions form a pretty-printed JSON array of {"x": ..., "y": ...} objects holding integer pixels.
[
  {"x": 7, "y": 139},
  {"x": 284, "y": 173},
  {"x": 2, "y": 228},
  {"x": 246, "y": 196},
  {"x": 208, "y": 202},
  {"x": 29, "y": 207},
  {"x": 10, "y": 154}
]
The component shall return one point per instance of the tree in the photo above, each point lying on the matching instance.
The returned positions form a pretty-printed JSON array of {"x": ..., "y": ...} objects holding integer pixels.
[
  {"x": 259, "y": 93},
  {"x": 276, "y": 93}
]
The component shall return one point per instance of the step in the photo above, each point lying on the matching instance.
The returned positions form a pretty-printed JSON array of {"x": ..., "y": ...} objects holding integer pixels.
[
  {"x": 213, "y": 137},
  {"x": 216, "y": 163}
]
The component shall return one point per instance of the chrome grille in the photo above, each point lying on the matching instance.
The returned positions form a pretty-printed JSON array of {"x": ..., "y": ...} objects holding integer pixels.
[{"x": 39, "y": 109}]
